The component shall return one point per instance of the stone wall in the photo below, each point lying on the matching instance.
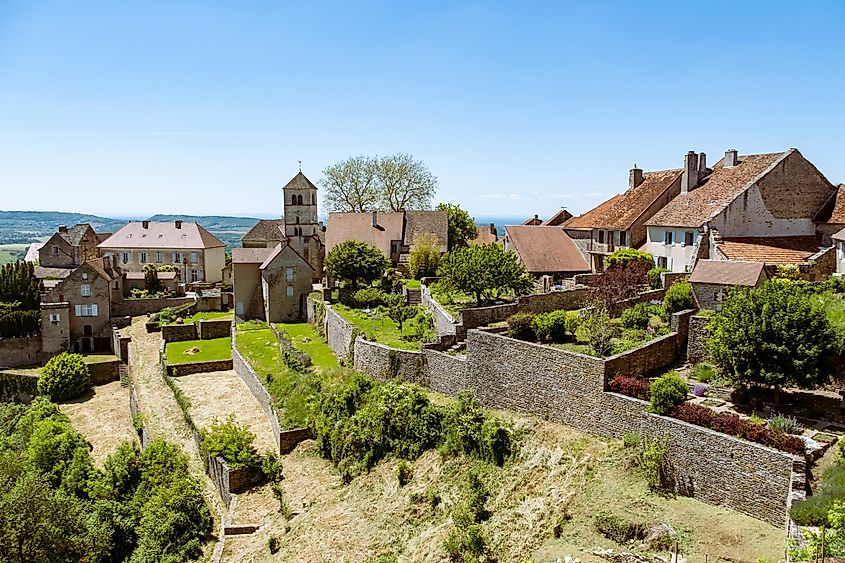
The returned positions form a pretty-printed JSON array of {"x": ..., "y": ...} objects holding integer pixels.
[
  {"x": 339, "y": 333},
  {"x": 137, "y": 307},
  {"x": 655, "y": 355},
  {"x": 190, "y": 368},
  {"x": 20, "y": 352},
  {"x": 570, "y": 299},
  {"x": 208, "y": 330},
  {"x": 179, "y": 332},
  {"x": 644, "y": 297},
  {"x": 443, "y": 322},
  {"x": 143, "y": 434},
  {"x": 383, "y": 362},
  {"x": 697, "y": 343},
  {"x": 21, "y": 387},
  {"x": 103, "y": 372},
  {"x": 289, "y": 439},
  {"x": 120, "y": 345},
  {"x": 444, "y": 373}
]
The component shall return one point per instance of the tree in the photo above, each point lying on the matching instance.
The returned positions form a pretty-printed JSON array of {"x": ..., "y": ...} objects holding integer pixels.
[
  {"x": 351, "y": 185},
  {"x": 151, "y": 281},
  {"x": 64, "y": 377},
  {"x": 773, "y": 336},
  {"x": 425, "y": 257},
  {"x": 399, "y": 313},
  {"x": 619, "y": 283},
  {"x": 484, "y": 268},
  {"x": 625, "y": 256},
  {"x": 391, "y": 183},
  {"x": 462, "y": 227},
  {"x": 678, "y": 298},
  {"x": 356, "y": 262},
  {"x": 598, "y": 329}
]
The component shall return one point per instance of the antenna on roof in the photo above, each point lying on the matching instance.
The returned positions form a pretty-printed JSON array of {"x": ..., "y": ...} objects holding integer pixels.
[{"x": 300, "y": 165}]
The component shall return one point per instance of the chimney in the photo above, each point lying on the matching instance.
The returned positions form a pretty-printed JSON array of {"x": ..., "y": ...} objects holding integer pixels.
[
  {"x": 692, "y": 171},
  {"x": 145, "y": 224},
  {"x": 730, "y": 158},
  {"x": 375, "y": 219},
  {"x": 178, "y": 224},
  {"x": 63, "y": 229},
  {"x": 702, "y": 165},
  {"x": 635, "y": 177}
]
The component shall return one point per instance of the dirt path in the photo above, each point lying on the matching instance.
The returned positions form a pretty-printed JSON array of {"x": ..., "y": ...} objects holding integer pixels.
[
  {"x": 220, "y": 394},
  {"x": 103, "y": 417}
]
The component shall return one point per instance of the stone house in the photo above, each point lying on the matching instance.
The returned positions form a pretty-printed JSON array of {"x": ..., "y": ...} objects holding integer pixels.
[
  {"x": 89, "y": 292},
  {"x": 839, "y": 243},
  {"x": 545, "y": 251},
  {"x": 393, "y": 233},
  {"x": 271, "y": 284},
  {"x": 830, "y": 220},
  {"x": 558, "y": 219},
  {"x": 69, "y": 247},
  {"x": 199, "y": 255},
  {"x": 745, "y": 208},
  {"x": 711, "y": 280},
  {"x": 620, "y": 221}
]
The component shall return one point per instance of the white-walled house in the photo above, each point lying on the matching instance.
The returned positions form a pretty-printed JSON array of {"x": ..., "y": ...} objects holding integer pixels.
[{"x": 748, "y": 207}]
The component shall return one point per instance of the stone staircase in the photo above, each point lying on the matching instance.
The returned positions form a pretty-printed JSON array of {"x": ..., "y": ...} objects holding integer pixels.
[
  {"x": 414, "y": 296},
  {"x": 123, "y": 371}
]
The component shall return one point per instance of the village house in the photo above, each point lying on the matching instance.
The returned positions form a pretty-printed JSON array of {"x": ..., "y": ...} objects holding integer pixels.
[
  {"x": 65, "y": 250},
  {"x": 393, "y": 233},
  {"x": 620, "y": 221},
  {"x": 759, "y": 207},
  {"x": 558, "y": 219},
  {"x": 485, "y": 235},
  {"x": 545, "y": 251},
  {"x": 198, "y": 255},
  {"x": 271, "y": 284},
  {"x": 830, "y": 220},
  {"x": 711, "y": 280}
]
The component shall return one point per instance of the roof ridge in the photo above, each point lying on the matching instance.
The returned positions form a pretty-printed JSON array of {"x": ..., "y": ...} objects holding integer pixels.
[{"x": 753, "y": 180}]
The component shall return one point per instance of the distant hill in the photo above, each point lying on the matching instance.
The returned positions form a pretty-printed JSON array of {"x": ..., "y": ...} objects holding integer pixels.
[{"x": 228, "y": 229}]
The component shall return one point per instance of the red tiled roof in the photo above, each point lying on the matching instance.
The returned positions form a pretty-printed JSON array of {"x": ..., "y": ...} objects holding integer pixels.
[
  {"x": 727, "y": 272},
  {"x": 359, "y": 226},
  {"x": 545, "y": 249},
  {"x": 716, "y": 191},
  {"x": 161, "y": 234},
  {"x": 834, "y": 210},
  {"x": 558, "y": 218},
  {"x": 534, "y": 221},
  {"x": 485, "y": 235},
  {"x": 770, "y": 250},
  {"x": 620, "y": 212}
]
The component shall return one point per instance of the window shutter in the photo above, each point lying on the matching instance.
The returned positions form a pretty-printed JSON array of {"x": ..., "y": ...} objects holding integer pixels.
[
  {"x": 78, "y": 310},
  {"x": 94, "y": 310}
]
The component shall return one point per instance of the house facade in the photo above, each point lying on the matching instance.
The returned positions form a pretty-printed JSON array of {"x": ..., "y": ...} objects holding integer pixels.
[
  {"x": 712, "y": 280},
  {"x": 742, "y": 209},
  {"x": 198, "y": 255},
  {"x": 69, "y": 247}
]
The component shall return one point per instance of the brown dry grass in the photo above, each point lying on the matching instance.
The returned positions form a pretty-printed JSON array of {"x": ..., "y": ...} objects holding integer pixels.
[{"x": 103, "y": 417}]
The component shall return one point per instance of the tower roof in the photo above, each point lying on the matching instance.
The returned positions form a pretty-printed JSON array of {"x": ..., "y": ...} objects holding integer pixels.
[{"x": 300, "y": 182}]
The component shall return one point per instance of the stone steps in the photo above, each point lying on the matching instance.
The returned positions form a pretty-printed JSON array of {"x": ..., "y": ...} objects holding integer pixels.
[{"x": 123, "y": 371}]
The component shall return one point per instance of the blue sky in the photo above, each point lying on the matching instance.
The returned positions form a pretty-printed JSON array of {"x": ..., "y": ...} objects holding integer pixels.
[{"x": 122, "y": 108}]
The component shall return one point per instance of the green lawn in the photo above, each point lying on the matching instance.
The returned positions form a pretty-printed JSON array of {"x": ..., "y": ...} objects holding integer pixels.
[
  {"x": 379, "y": 328},
  {"x": 214, "y": 349},
  {"x": 321, "y": 355},
  {"x": 99, "y": 358},
  {"x": 210, "y": 316},
  {"x": 412, "y": 284},
  {"x": 258, "y": 344}
]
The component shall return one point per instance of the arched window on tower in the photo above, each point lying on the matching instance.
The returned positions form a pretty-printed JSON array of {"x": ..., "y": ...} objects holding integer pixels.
[
  {"x": 293, "y": 199},
  {"x": 299, "y": 199}
]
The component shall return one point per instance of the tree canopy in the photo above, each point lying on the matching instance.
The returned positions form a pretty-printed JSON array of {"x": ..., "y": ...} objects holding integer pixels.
[
  {"x": 462, "y": 227},
  {"x": 626, "y": 256},
  {"x": 425, "y": 257},
  {"x": 371, "y": 183},
  {"x": 480, "y": 269},
  {"x": 356, "y": 262},
  {"x": 774, "y": 336}
]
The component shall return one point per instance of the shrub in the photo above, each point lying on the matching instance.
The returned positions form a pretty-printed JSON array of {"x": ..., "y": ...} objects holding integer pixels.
[
  {"x": 678, "y": 298},
  {"x": 624, "y": 257},
  {"x": 786, "y": 424},
  {"x": 631, "y": 439},
  {"x": 639, "y": 315},
  {"x": 651, "y": 459},
  {"x": 631, "y": 386},
  {"x": 654, "y": 280},
  {"x": 617, "y": 528},
  {"x": 469, "y": 429},
  {"x": 599, "y": 330},
  {"x": 369, "y": 297},
  {"x": 521, "y": 326},
  {"x": 273, "y": 544},
  {"x": 573, "y": 321},
  {"x": 667, "y": 391},
  {"x": 404, "y": 472},
  {"x": 700, "y": 389},
  {"x": 551, "y": 326},
  {"x": 814, "y": 510},
  {"x": 702, "y": 372},
  {"x": 424, "y": 257},
  {"x": 232, "y": 442},
  {"x": 466, "y": 539},
  {"x": 64, "y": 377}
]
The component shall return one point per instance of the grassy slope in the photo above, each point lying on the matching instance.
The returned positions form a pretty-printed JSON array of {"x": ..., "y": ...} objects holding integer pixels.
[
  {"x": 214, "y": 349},
  {"x": 382, "y": 330},
  {"x": 321, "y": 354},
  {"x": 210, "y": 316}
]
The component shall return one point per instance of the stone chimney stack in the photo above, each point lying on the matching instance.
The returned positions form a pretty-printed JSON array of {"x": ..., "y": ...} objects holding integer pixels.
[
  {"x": 635, "y": 177},
  {"x": 178, "y": 224},
  {"x": 693, "y": 172},
  {"x": 145, "y": 224},
  {"x": 730, "y": 158},
  {"x": 63, "y": 229},
  {"x": 702, "y": 166},
  {"x": 375, "y": 219}
]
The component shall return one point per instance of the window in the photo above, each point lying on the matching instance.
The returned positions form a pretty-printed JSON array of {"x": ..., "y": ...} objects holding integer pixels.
[
  {"x": 623, "y": 238},
  {"x": 661, "y": 261},
  {"x": 290, "y": 291},
  {"x": 293, "y": 200},
  {"x": 55, "y": 250},
  {"x": 85, "y": 290},
  {"x": 158, "y": 257},
  {"x": 84, "y": 275},
  {"x": 177, "y": 257},
  {"x": 601, "y": 237},
  {"x": 688, "y": 236},
  {"x": 193, "y": 257},
  {"x": 86, "y": 310},
  {"x": 124, "y": 257},
  {"x": 668, "y": 237},
  {"x": 194, "y": 276},
  {"x": 55, "y": 318},
  {"x": 143, "y": 257},
  {"x": 289, "y": 274}
]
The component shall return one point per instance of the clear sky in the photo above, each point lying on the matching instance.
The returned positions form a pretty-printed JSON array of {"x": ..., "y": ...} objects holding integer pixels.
[{"x": 133, "y": 108}]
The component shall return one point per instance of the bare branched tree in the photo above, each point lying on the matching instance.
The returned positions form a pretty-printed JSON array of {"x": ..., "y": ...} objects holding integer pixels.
[
  {"x": 405, "y": 183},
  {"x": 351, "y": 185}
]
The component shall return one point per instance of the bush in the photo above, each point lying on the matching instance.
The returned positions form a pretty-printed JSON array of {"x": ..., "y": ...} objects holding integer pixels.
[
  {"x": 624, "y": 257},
  {"x": 64, "y": 377},
  {"x": 599, "y": 330},
  {"x": 369, "y": 297},
  {"x": 232, "y": 442},
  {"x": 466, "y": 539},
  {"x": 551, "y": 326},
  {"x": 404, "y": 472},
  {"x": 521, "y": 326},
  {"x": 700, "y": 389},
  {"x": 617, "y": 528},
  {"x": 631, "y": 439},
  {"x": 631, "y": 386},
  {"x": 573, "y": 321},
  {"x": 654, "y": 280},
  {"x": 424, "y": 257},
  {"x": 814, "y": 510},
  {"x": 651, "y": 459},
  {"x": 469, "y": 429},
  {"x": 678, "y": 298},
  {"x": 273, "y": 544},
  {"x": 786, "y": 424},
  {"x": 639, "y": 315},
  {"x": 704, "y": 373},
  {"x": 667, "y": 391}
]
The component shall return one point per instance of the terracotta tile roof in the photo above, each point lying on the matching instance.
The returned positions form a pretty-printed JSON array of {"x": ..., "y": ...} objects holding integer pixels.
[
  {"x": 716, "y": 191},
  {"x": 359, "y": 226},
  {"x": 834, "y": 210},
  {"x": 250, "y": 255},
  {"x": 620, "y": 212},
  {"x": 485, "y": 235},
  {"x": 266, "y": 230},
  {"x": 534, "y": 221},
  {"x": 727, "y": 272},
  {"x": 770, "y": 250},
  {"x": 558, "y": 218},
  {"x": 545, "y": 249},
  {"x": 427, "y": 222},
  {"x": 162, "y": 235}
]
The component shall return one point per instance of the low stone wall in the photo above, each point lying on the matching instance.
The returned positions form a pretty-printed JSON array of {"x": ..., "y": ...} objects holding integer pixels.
[
  {"x": 655, "y": 355},
  {"x": 18, "y": 387},
  {"x": 384, "y": 362},
  {"x": 339, "y": 333},
  {"x": 227, "y": 480},
  {"x": 143, "y": 433},
  {"x": 21, "y": 352},
  {"x": 208, "y": 330},
  {"x": 137, "y": 307},
  {"x": 179, "y": 332},
  {"x": 104, "y": 372},
  {"x": 120, "y": 345},
  {"x": 444, "y": 324},
  {"x": 190, "y": 368},
  {"x": 644, "y": 297},
  {"x": 569, "y": 299},
  {"x": 697, "y": 343},
  {"x": 289, "y": 439},
  {"x": 483, "y": 316},
  {"x": 444, "y": 373}
]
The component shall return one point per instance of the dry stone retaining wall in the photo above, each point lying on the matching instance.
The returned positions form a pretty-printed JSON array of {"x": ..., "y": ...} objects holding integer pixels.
[
  {"x": 697, "y": 343},
  {"x": 20, "y": 352},
  {"x": 443, "y": 322},
  {"x": 179, "y": 332},
  {"x": 384, "y": 362},
  {"x": 211, "y": 329},
  {"x": 190, "y": 368},
  {"x": 339, "y": 333},
  {"x": 103, "y": 372},
  {"x": 444, "y": 373}
]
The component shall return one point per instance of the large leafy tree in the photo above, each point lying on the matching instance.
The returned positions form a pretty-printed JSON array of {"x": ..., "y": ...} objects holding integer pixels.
[
  {"x": 774, "y": 336},
  {"x": 356, "y": 262},
  {"x": 481, "y": 269},
  {"x": 462, "y": 227},
  {"x": 370, "y": 183}
]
